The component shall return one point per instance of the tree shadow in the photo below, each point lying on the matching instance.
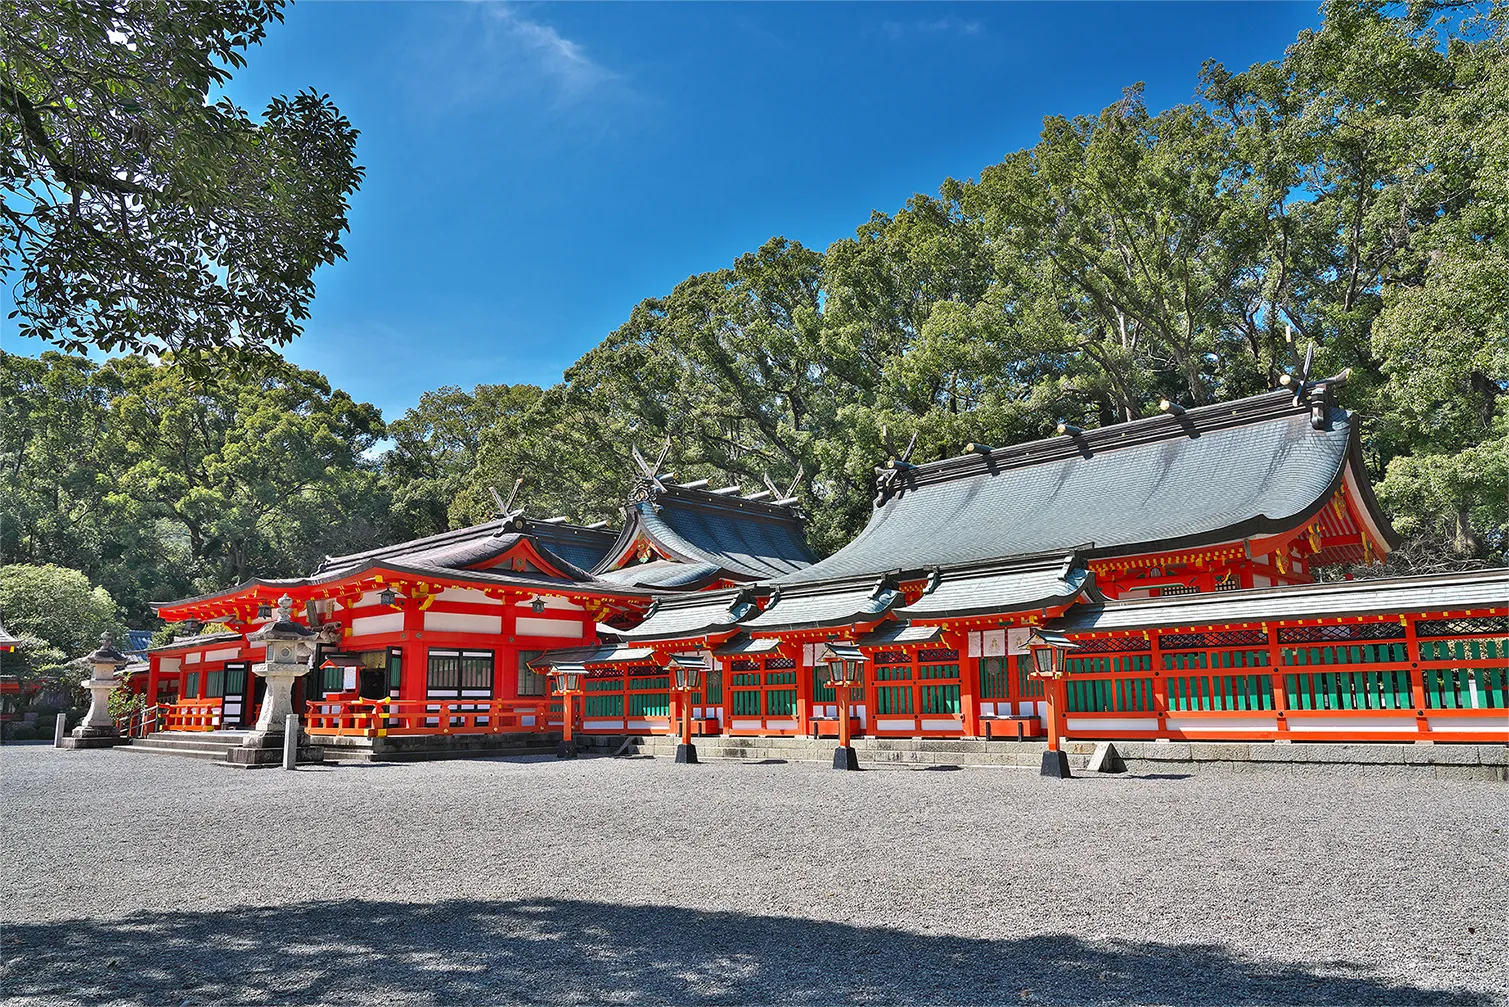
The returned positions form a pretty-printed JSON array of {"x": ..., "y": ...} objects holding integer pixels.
[{"x": 539, "y": 950}]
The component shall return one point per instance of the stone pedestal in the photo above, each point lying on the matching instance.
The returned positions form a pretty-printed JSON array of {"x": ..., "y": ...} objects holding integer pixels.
[
  {"x": 288, "y": 644},
  {"x": 98, "y": 729}
]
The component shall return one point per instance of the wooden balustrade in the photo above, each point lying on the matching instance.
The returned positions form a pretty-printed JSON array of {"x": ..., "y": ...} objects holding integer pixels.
[
  {"x": 192, "y": 715},
  {"x": 376, "y": 718}
]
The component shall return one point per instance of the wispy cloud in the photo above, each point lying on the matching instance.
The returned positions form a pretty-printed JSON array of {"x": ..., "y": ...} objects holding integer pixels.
[
  {"x": 540, "y": 47},
  {"x": 940, "y": 26},
  {"x": 507, "y": 52}
]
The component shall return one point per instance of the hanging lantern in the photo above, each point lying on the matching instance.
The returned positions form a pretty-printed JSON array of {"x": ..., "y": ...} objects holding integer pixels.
[
  {"x": 537, "y": 605},
  {"x": 387, "y": 597},
  {"x": 264, "y": 611}
]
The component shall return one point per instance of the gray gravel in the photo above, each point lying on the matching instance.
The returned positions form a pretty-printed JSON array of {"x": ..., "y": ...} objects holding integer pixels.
[{"x": 141, "y": 879}]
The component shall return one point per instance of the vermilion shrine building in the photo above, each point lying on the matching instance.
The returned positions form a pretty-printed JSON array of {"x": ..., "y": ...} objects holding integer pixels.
[{"x": 1177, "y": 553}]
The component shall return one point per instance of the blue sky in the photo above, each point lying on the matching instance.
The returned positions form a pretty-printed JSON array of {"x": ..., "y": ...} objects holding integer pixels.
[{"x": 534, "y": 170}]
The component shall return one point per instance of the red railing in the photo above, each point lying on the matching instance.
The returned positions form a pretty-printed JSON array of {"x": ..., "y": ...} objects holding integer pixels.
[
  {"x": 1371, "y": 682},
  {"x": 140, "y": 723},
  {"x": 375, "y": 718},
  {"x": 192, "y": 715}
]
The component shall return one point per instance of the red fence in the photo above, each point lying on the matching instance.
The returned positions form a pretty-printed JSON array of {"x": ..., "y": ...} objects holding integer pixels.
[
  {"x": 375, "y": 718},
  {"x": 1437, "y": 679}
]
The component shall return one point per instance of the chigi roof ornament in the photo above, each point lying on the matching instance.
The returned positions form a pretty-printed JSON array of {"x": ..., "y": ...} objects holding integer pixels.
[
  {"x": 1318, "y": 395},
  {"x": 649, "y": 484},
  {"x": 506, "y": 512},
  {"x": 900, "y": 461}
]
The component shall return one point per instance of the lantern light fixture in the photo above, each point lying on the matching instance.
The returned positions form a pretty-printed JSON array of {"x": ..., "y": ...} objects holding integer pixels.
[
  {"x": 537, "y": 605},
  {"x": 688, "y": 671},
  {"x": 1049, "y": 652},
  {"x": 264, "y": 611},
  {"x": 387, "y": 597},
  {"x": 192, "y": 627},
  {"x": 568, "y": 677},
  {"x": 846, "y": 665}
]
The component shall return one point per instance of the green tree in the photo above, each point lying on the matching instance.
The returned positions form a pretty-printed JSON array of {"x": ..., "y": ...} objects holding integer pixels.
[
  {"x": 141, "y": 213},
  {"x": 431, "y": 469},
  {"x": 58, "y": 615}
]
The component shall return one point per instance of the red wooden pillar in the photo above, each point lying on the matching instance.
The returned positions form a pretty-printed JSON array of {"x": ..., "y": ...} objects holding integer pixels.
[
  {"x": 805, "y": 693},
  {"x": 414, "y": 683},
  {"x": 1416, "y": 675},
  {"x": 969, "y": 680},
  {"x": 1053, "y": 693},
  {"x": 154, "y": 672},
  {"x": 1160, "y": 682}
]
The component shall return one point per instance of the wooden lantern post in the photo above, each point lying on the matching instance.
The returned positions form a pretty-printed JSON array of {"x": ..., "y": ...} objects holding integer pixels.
[
  {"x": 1050, "y": 652},
  {"x": 688, "y": 672},
  {"x": 567, "y": 679},
  {"x": 845, "y": 671}
]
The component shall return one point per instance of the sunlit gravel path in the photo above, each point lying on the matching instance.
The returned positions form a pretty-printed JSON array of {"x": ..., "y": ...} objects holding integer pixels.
[{"x": 155, "y": 879}]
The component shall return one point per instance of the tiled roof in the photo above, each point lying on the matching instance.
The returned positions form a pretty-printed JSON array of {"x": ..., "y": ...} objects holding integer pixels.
[
  {"x": 1211, "y": 474},
  {"x": 469, "y": 547},
  {"x": 1013, "y": 587},
  {"x": 744, "y": 538},
  {"x": 664, "y": 573},
  {"x": 817, "y": 606},
  {"x": 187, "y": 642},
  {"x": 1446, "y": 591},
  {"x": 698, "y": 614},
  {"x": 608, "y": 654}
]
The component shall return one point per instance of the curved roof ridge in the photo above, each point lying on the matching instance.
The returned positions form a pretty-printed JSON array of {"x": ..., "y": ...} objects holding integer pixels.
[{"x": 1219, "y": 473}]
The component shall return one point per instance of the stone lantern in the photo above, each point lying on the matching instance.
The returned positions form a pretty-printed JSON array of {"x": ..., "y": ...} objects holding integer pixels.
[
  {"x": 98, "y": 729},
  {"x": 288, "y": 646}
]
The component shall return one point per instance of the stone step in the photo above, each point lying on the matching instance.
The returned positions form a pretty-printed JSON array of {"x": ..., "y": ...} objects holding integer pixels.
[{"x": 212, "y": 752}]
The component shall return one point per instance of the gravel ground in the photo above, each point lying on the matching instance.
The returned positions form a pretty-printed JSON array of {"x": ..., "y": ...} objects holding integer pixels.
[{"x": 162, "y": 880}]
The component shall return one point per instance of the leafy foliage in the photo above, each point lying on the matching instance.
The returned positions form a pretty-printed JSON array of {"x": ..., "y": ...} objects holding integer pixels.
[
  {"x": 1355, "y": 192},
  {"x": 58, "y": 617},
  {"x": 141, "y": 213},
  {"x": 159, "y": 487}
]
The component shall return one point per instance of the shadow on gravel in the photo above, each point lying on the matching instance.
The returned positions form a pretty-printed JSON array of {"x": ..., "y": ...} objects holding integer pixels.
[{"x": 583, "y": 952}]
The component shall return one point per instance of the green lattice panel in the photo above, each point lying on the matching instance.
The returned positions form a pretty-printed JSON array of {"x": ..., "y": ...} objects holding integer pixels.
[
  {"x": 1029, "y": 686},
  {"x": 1364, "y": 653},
  {"x": 1109, "y": 665},
  {"x": 1457, "y": 688},
  {"x": 1464, "y": 650},
  {"x": 780, "y": 703},
  {"x": 1220, "y": 692},
  {"x": 940, "y": 699},
  {"x": 1109, "y": 695},
  {"x": 1208, "y": 660},
  {"x": 893, "y": 699},
  {"x": 1349, "y": 690}
]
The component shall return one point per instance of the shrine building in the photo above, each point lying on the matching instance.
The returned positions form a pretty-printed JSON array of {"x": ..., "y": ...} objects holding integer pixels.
[{"x": 1175, "y": 557}]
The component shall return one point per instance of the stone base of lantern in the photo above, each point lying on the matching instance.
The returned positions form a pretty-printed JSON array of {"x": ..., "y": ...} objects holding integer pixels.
[
  {"x": 1056, "y": 765},
  {"x": 260, "y": 750},
  {"x": 94, "y": 737}
]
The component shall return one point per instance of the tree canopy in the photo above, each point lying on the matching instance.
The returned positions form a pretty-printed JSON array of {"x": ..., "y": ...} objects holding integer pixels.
[
  {"x": 144, "y": 213},
  {"x": 1354, "y": 194}
]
